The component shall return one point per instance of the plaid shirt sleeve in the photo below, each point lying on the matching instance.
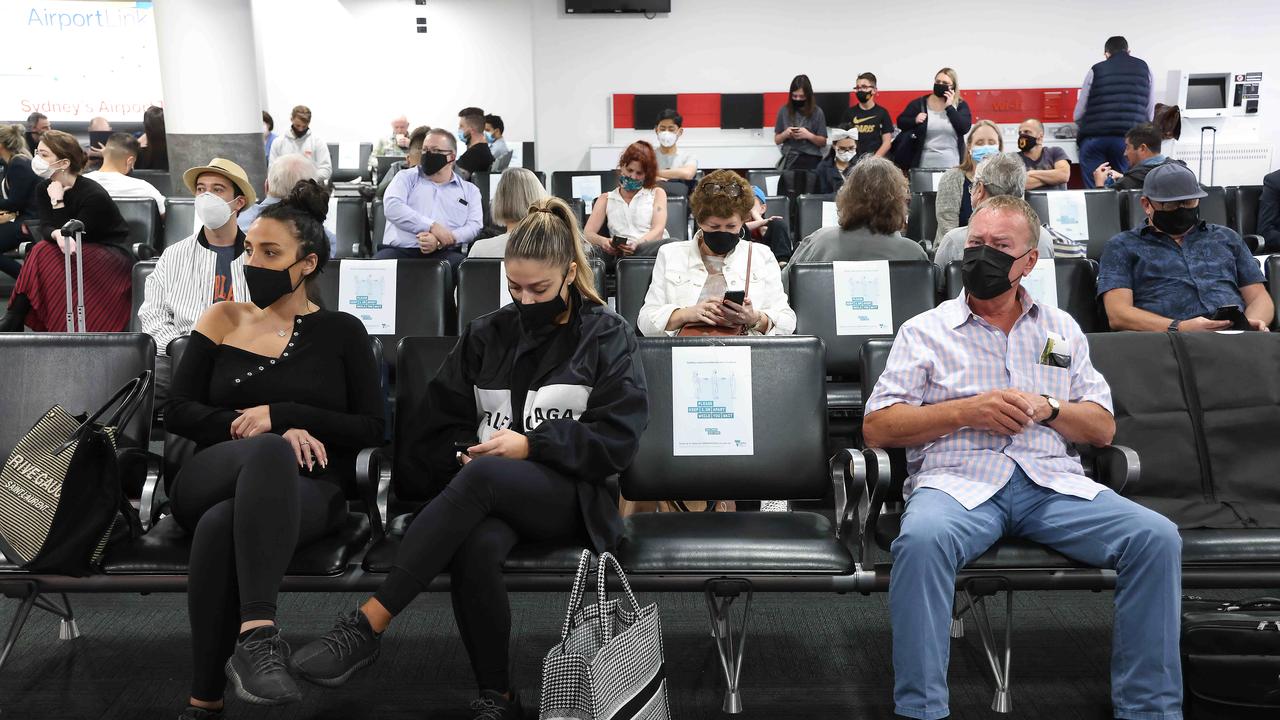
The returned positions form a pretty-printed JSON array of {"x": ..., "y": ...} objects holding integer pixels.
[
  {"x": 1087, "y": 384},
  {"x": 906, "y": 374}
]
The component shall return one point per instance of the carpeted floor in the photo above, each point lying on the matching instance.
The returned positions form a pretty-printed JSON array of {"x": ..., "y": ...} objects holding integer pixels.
[{"x": 807, "y": 656}]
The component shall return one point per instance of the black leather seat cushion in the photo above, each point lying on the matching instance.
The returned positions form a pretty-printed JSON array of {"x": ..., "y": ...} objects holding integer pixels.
[
  {"x": 524, "y": 558},
  {"x": 165, "y": 548},
  {"x": 844, "y": 396},
  {"x": 751, "y": 543},
  {"x": 1231, "y": 546},
  {"x": 1007, "y": 554}
]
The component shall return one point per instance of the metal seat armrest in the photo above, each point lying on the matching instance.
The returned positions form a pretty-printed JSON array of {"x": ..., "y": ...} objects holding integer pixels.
[
  {"x": 846, "y": 493},
  {"x": 1255, "y": 243},
  {"x": 876, "y": 473},
  {"x": 373, "y": 480},
  {"x": 143, "y": 251},
  {"x": 154, "y": 497},
  {"x": 1116, "y": 467}
]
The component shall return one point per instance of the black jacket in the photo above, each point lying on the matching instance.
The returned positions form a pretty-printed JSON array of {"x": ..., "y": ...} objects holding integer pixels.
[
  {"x": 959, "y": 115},
  {"x": 1137, "y": 175},
  {"x": 585, "y": 409},
  {"x": 1269, "y": 211}
]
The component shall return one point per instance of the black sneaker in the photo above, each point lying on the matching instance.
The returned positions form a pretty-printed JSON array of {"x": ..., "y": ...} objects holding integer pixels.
[
  {"x": 259, "y": 670},
  {"x": 338, "y": 654},
  {"x": 196, "y": 713},
  {"x": 492, "y": 705}
]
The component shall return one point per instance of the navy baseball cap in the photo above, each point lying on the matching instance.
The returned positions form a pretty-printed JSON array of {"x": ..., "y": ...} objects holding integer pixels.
[{"x": 1172, "y": 182}]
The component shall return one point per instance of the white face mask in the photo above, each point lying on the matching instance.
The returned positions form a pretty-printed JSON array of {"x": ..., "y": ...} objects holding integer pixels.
[
  {"x": 845, "y": 156},
  {"x": 41, "y": 167},
  {"x": 666, "y": 138},
  {"x": 213, "y": 211}
]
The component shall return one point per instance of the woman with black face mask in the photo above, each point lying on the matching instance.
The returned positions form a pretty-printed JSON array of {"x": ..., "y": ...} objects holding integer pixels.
[
  {"x": 704, "y": 281},
  {"x": 800, "y": 131},
  {"x": 279, "y": 396},
  {"x": 933, "y": 126},
  {"x": 547, "y": 398}
]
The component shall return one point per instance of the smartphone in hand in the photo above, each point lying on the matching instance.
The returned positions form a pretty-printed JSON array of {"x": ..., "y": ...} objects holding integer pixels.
[
  {"x": 461, "y": 447},
  {"x": 1234, "y": 314},
  {"x": 736, "y": 296}
]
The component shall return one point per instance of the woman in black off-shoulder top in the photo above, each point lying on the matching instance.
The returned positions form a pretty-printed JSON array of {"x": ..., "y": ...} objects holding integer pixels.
[{"x": 279, "y": 396}]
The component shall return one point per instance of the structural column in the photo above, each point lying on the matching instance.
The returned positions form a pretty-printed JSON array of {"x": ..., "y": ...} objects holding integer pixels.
[{"x": 208, "y": 70}]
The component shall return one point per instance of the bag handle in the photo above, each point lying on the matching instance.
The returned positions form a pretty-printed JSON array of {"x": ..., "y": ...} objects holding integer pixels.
[
  {"x": 134, "y": 390},
  {"x": 606, "y": 559},
  {"x": 575, "y": 595},
  {"x": 746, "y": 287}
]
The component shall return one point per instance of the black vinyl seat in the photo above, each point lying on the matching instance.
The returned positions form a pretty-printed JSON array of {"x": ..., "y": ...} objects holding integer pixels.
[
  {"x": 141, "y": 271},
  {"x": 562, "y": 183},
  {"x": 351, "y": 227},
  {"x": 738, "y": 543},
  {"x": 780, "y": 205},
  {"x": 158, "y": 179},
  {"x": 810, "y": 213},
  {"x": 480, "y": 285},
  {"x": 179, "y": 220},
  {"x": 1077, "y": 290},
  {"x": 378, "y": 226},
  {"x": 145, "y": 225},
  {"x": 678, "y": 217},
  {"x": 1102, "y": 214},
  {"x": 634, "y": 275},
  {"x": 922, "y": 217},
  {"x": 1244, "y": 219}
]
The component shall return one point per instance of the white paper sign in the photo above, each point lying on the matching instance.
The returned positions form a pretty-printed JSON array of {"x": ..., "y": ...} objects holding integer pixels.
[
  {"x": 711, "y": 401},
  {"x": 829, "y": 216},
  {"x": 493, "y": 188},
  {"x": 517, "y": 154},
  {"x": 331, "y": 219},
  {"x": 367, "y": 289},
  {"x": 862, "y": 297},
  {"x": 348, "y": 156},
  {"x": 937, "y": 180},
  {"x": 771, "y": 185},
  {"x": 504, "y": 293},
  {"x": 586, "y": 187},
  {"x": 1042, "y": 283},
  {"x": 1067, "y": 214}
]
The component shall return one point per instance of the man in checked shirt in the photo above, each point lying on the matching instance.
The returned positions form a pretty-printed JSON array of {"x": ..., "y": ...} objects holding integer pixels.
[{"x": 988, "y": 392}]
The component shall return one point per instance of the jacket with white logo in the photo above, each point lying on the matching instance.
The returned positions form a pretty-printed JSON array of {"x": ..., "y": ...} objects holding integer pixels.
[{"x": 584, "y": 412}]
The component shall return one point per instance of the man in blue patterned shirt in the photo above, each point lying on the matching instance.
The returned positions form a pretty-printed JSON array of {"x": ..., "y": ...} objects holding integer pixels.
[{"x": 1176, "y": 270}]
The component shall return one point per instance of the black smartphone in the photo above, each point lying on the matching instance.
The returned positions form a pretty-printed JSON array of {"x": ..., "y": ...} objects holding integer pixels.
[
  {"x": 1234, "y": 314},
  {"x": 461, "y": 446},
  {"x": 619, "y": 241},
  {"x": 736, "y": 296},
  {"x": 98, "y": 138}
]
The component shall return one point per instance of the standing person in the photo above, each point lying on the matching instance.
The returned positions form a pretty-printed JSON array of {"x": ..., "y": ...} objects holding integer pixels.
[
  {"x": 636, "y": 210},
  {"x": 268, "y": 137},
  {"x": 119, "y": 156},
  {"x": 18, "y": 208},
  {"x": 872, "y": 123},
  {"x": 937, "y": 123},
  {"x": 990, "y": 434},
  {"x": 676, "y": 168},
  {"x": 1048, "y": 168},
  {"x": 37, "y": 125},
  {"x": 1117, "y": 94},
  {"x": 201, "y": 270},
  {"x": 477, "y": 158},
  {"x": 279, "y": 396},
  {"x": 550, "y": 393},
  {"x": 955, "y": 187},
  {"x": 299, "y": 139},
  {"x": 494, "y": 129},
  {"x": 39, "y": 299},
  {"x": 394, "y": 145},
  {"x": 836, "y": 166},
  {"x": 800, "y": 130},
  {"x": 153, "y": 141},
  {"x": 431, "y": 212}
]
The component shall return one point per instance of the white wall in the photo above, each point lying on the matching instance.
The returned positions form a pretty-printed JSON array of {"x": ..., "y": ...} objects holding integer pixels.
[{"x": 359, "y": 63}]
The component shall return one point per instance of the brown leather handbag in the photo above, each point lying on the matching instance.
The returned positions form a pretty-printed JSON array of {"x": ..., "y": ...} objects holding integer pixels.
[{"x": 705, "y": 330}]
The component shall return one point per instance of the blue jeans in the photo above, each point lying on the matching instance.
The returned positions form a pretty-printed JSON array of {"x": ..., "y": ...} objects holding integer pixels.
[
  {"x": 939, "y": 536},
  {"x": 1096, "y": 150}
]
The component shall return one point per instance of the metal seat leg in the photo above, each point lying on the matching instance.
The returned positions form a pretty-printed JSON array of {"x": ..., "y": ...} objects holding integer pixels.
[
  {"x": 730, "y": 640},
  {"x": 19, "y": 620},
  {"x": 998, "y": 659},
  {"x": 67, "y": 628}
]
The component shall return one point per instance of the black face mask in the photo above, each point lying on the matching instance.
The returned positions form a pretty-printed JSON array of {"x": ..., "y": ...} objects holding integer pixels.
[
  {"x": 1176, "y": 222},
  {"x": 267, "y": 286},
  {"x": 863, "y": 95},
  {"x": 1025, "y": 143},
  {"x": 986, "y": 271},
  {"x": 541, "y": 314},
  {"x": 721, "y": 243},
  {"x": 432, "y": 163},
  {"x": 797, "y": 104}
]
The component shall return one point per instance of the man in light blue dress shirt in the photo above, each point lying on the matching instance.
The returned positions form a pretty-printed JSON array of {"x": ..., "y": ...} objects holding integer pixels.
[
  {"x": 989, "y": 392},
  {"x": 432, "y": 213}
]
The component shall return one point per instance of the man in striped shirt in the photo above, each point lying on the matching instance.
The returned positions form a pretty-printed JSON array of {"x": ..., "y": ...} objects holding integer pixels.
[{"x": 988, "y": 392}]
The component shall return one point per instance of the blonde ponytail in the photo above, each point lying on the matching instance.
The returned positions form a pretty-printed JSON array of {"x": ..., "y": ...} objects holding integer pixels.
[{"x": 550, "y": 234}]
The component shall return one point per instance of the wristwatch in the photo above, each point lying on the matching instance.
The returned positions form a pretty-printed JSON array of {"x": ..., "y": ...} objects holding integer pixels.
[
  {"x": 1173, "y": 326},
  {"x": 1054, "y": 408}
]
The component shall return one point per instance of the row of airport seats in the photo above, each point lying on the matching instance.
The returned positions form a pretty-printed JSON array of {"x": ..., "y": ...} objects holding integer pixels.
[{"x": 1186, "y": 445}]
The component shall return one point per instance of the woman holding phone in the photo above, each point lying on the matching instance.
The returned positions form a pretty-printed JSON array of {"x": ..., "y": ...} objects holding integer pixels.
[
  {"x": 636, "y": 210},
  {"x": 937, "y": 123},
  {"x": 704, "y": 281},
  {"x": 536, "y": 406},
  {"x": 800, "y": 131}
]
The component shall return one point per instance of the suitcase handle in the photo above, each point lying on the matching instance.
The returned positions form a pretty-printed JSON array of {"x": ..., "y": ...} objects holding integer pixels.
[{"x": 1256, "y": 603}]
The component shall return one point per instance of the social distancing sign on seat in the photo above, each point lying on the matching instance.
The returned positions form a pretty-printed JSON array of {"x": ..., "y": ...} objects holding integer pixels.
[
  {"x": 711, "y": 401},
  {"x": 863, "y": 296},
  {"x": 367, "y": 289},
  {"x": 1042, "y": 283}
]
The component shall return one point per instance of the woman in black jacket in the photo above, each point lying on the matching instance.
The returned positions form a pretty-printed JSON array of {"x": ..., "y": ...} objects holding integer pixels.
[
  {"x": 17, "y": 194},
  {"x": 279, "y": 397},
  {"x": 934, "y": 126},
  {"x": 547, "y": 395}
]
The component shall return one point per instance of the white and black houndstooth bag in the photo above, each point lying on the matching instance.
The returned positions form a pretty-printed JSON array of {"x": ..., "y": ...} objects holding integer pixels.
[{"x": 608, "y": 664}]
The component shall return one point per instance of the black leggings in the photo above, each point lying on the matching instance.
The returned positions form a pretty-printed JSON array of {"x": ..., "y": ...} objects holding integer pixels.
[
  {"x": 247, "y": 509},
  {"x": 470, "y": 528}
]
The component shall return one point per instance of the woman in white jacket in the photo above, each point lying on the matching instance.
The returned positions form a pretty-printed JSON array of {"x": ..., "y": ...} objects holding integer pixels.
[{"x": 690, "y": 278}]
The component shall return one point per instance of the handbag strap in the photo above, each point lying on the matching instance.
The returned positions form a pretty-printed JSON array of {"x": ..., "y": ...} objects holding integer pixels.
[
  {"x": 746, "y": 288},
  {"x": 607, "y": 559},
  {"x": 575, "y": 595},
  {"x": 133, "y": 389}
]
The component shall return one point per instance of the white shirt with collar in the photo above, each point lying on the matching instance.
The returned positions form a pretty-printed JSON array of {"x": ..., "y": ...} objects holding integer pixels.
[{"x": 679, "y": 274}]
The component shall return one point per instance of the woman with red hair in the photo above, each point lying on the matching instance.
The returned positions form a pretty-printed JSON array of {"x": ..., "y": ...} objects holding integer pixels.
[{"x": 636, "y": 210}]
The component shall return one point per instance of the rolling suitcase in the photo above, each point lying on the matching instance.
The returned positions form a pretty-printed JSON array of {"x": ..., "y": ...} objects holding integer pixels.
[
  {"x": 75, "y": 315},
  {"x": 1231, "y": 654}
]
